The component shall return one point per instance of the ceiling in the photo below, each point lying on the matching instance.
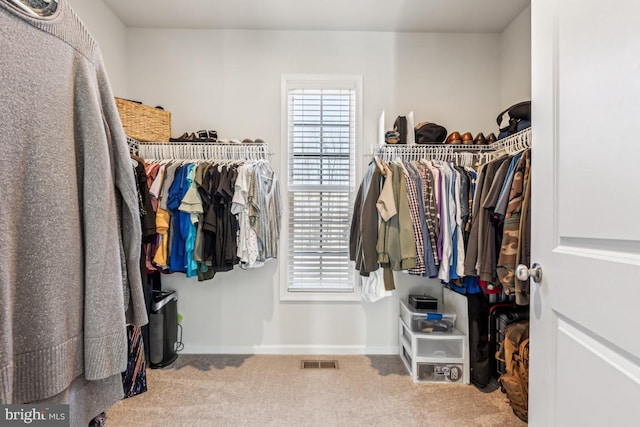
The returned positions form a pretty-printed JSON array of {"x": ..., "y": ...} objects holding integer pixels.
[{"x": 454, "y": 16}]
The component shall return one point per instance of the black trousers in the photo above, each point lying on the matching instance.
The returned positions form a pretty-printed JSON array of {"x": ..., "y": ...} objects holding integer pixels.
[{"x": 479, "y": 361}]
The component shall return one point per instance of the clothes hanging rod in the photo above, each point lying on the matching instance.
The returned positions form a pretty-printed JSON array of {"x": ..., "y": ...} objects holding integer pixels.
[
  {"x": 208, "y": 143},
  {"x": 134, "y": 145}
]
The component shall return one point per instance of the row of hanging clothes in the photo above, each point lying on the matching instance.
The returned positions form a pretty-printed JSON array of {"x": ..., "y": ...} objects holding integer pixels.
[
  {"x": 207, "y": 208},
  {"x": 438, "y": 212}
]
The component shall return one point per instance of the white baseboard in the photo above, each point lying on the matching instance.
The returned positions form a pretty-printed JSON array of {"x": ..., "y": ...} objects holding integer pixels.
[{"x": 290, "y": 349}]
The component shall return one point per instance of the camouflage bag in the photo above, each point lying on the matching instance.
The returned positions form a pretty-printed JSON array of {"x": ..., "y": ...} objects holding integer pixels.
[{"x": 514, "y": 351}]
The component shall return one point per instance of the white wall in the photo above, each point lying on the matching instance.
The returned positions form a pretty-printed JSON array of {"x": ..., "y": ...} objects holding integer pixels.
[
  {"x": 230, "y": 81},
  {"x": 515, "y": 61},
  {"x": 111, "y": 35}
]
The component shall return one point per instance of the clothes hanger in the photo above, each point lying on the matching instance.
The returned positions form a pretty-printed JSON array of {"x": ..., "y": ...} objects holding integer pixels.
[
  {"x": 137, "y": 158},
  {"x": 31, "y": 10},
  {"x": 270, "y": 173},
  {"x": 25, "y": 8}
]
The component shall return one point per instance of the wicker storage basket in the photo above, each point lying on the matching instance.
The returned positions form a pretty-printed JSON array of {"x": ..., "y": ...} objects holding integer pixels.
[{"x": 144, "y": 123}]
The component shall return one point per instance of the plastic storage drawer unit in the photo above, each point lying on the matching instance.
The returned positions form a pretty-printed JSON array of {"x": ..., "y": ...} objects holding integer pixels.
[{"x": 434, "y": 357}]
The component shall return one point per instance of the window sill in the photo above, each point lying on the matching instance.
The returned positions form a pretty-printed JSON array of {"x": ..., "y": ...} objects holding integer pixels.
[{"x": 311, "y": 296}]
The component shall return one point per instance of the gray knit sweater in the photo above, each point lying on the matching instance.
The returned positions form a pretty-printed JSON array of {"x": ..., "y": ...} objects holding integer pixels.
[{"x": 69, "y": 218}]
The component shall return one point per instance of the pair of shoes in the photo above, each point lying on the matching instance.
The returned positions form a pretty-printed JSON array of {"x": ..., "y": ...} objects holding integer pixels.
[
  {"x": 185, "y": 137},
  {"x": 480, "y": 139},
  {"x": 207, "y": 136},
  {"x": 182, "y": 138},
  {"x": 200, "y": 136},
  {"x": 468, "y": 139},
  {"x": 454, "y": 138}
]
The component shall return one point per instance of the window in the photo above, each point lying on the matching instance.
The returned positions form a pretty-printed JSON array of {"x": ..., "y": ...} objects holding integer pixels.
[{"x": 321, "y": 129}]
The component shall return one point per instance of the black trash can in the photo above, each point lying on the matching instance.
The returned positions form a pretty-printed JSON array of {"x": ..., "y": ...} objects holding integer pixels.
[{"x": 163, "y": 329}]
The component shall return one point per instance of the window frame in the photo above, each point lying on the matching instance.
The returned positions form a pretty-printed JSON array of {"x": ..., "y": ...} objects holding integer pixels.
[{"x": 315, "y": 81}]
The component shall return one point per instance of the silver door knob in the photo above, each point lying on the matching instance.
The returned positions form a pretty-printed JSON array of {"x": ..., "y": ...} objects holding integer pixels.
[{"x": 535, "y": 272}]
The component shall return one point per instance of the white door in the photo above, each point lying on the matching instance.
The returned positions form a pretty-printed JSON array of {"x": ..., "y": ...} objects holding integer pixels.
[{"x": 585, "y": 328}]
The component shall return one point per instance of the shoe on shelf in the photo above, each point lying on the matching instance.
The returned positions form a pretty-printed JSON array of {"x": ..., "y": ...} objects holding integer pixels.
[
  {"x": 202, "y": 135},
  {"x": 467, "y": 138},
  {"x": 207, "y": 136},
  {"x": 181, "y": 138},
  {"x": 454, "y": 138},
  {"x": 480, "y": 139}
]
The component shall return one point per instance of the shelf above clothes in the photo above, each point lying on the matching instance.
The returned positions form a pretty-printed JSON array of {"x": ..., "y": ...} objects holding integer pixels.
[
  {"x": 458, "y": 153},
  {"x": 204, "y": 151}
]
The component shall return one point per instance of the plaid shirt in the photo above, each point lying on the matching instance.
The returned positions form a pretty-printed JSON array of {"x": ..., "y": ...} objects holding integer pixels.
[
  {"x": 430, "y": 208},
  {"x": 414, "y": 212}
]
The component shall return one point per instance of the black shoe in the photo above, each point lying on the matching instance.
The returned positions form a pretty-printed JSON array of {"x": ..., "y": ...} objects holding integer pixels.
[
  {"x": 480, "y": 139},
  {"x": 181, "y": 138}
]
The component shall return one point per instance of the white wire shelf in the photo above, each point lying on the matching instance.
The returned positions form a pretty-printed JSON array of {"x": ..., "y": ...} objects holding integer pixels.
[
  {"x": 204, "y": 151},
  {"x": 459, "y": 153}
]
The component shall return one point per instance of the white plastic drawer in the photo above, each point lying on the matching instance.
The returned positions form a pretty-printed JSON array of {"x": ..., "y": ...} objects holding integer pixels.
[
  {"x": 425, "y": 321},
  {"x": 440, "y": 348},
  {"x": 441, "y": 372}
]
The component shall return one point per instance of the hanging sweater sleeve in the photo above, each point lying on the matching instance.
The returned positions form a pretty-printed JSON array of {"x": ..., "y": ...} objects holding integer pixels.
[{"x": 128, "y": 211}]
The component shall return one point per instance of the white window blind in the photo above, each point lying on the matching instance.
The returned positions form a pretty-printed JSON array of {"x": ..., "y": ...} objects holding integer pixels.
[{"x": 321, "y": 136}]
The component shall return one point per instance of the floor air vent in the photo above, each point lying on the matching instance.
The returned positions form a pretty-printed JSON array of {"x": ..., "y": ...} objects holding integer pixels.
[{"x": 319, "y": 364}]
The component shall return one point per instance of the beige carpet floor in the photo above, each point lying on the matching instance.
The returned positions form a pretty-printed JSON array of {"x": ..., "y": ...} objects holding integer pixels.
[{"x": 263, "y": 390}]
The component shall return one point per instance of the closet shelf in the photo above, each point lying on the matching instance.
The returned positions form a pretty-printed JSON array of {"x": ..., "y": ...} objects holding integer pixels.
[
  {"x": 512, "y": 144},
  {"x": 204, "y": 151}
]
